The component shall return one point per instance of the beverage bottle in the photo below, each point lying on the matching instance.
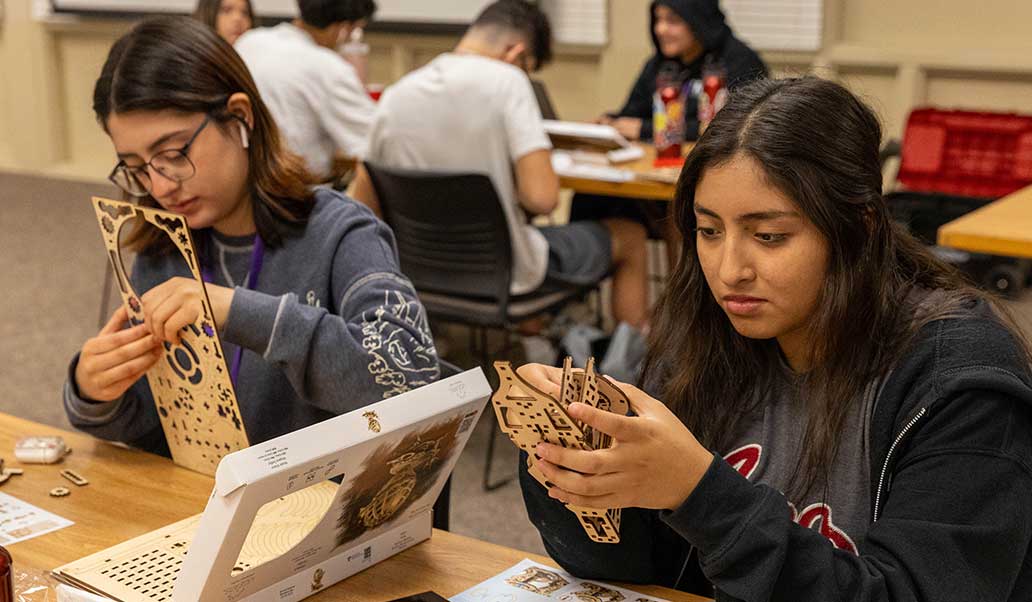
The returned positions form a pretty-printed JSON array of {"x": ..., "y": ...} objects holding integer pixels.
[
  {"x": 668, "y": 113},
  {"x": 6, "y": 576},
  {"x": 356, "y": 52},
  {"x": 713, "y": 96}
]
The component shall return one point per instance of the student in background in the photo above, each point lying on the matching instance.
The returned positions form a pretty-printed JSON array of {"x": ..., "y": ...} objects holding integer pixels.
[
  {"x": 229, "y": 18},
  {"x": 304, "y": 281},
  {"x": 829, "y": 412},
  {"x": 474, "y": 110},
  {"x": 687, "y": 34},
  {"x": 316, "y": 97}
]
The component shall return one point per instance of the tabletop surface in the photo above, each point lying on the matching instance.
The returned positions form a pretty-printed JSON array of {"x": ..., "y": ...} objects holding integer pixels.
[
  {"x": 1003, "y": 227},
  {"x": 131, "y": 493},
  {"x": 642, "y": 187}
]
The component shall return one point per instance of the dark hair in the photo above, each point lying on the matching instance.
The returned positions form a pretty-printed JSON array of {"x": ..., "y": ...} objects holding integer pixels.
[
  {"x": 525, "y": 18},
  {"x": 817, "y": 144},
  {"x": 178, "y": 63},
  {"x": 208, "y": 10},
  {"x": 323, "y": 13}
]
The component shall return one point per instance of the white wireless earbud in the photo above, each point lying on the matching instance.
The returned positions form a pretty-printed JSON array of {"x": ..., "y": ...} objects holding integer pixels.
[{"x": 243, "y": 134}]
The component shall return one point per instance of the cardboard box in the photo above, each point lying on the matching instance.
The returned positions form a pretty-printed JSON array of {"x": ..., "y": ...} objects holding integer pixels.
[{"x": 255, "y": 539}]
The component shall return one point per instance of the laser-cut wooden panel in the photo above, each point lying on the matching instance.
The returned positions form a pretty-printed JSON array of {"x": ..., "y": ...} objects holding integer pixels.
[
  {"x": 145, "y": 568},
  {"x": 190, "y": 385},
  {"x": 529, "y": 416}
]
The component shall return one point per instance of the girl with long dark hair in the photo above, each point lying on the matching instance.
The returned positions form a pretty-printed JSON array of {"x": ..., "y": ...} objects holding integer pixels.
[
  {"x": 842, "y": 416},
  {"x": 305, "y": 282}
]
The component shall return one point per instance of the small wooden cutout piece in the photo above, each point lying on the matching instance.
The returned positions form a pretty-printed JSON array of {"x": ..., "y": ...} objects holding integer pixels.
[
  {"x": 59, "y": 492},
  {"x": 7, "y": 473},
  {"x": 191, "y": 385},
  {"x": 529, "y": 416},
  {"x": 74, "y": 477}
]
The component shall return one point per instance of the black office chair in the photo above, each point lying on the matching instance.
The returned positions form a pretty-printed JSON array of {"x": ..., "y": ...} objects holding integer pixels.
[{"x": 454, "y": 245}]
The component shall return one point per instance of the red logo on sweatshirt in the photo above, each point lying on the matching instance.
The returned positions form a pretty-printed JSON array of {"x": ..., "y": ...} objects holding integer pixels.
[{"x": 746, "y": 459}]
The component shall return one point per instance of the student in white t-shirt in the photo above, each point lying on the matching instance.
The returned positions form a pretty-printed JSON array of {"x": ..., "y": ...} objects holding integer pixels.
[
  {"x": 474, "y": 110},
  {"x": 315, "y": 96}
]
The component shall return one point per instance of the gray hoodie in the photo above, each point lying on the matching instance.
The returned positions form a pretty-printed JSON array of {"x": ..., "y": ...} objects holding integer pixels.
[{"x": 333, "y": 325}]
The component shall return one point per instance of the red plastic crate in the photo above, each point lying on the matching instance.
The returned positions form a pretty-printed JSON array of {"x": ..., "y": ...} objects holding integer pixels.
[{"x": 966, "y": 153}]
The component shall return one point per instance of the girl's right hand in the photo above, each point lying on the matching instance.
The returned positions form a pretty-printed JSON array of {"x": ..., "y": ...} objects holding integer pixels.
[{"x": 115, "y": 359}]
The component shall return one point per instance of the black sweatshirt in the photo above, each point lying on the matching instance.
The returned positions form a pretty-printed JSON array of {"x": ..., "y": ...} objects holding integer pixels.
[
  {"x": 704, "y": 17},
  {"x": 950, "y": 443}
]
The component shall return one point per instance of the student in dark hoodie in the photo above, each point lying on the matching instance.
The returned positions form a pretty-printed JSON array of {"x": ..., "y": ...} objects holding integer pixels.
[
  {"x": 688, "y": 35},
  {"x": 842, "y": 416}
]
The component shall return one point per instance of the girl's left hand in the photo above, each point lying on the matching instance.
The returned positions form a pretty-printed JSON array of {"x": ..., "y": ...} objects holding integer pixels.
[
  {"x": 655, "y": 461},
  {"x": 177, "y": 302}
]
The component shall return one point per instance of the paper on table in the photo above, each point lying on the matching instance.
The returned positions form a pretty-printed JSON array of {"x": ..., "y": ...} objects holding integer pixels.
[
  {"x": 592, "y": 134},
  {"x": 21, "y": 520},
  {"x": 566, "y": 165},
  {"x": 529, "y": 581}
]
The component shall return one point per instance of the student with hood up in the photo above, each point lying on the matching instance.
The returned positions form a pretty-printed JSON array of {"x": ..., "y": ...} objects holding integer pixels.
[{"x": 688, "y": 35}]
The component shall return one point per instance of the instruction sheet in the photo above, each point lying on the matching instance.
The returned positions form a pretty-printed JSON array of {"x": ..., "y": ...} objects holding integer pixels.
[
  {"x": 529, "y": 581},
  {"x": 21, "y": 520}
]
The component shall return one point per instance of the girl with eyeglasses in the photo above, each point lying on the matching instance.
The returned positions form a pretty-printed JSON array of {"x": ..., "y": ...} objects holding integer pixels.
[
  {"x": 828, "y": 411},
  {"x": 304, "y": 283}
]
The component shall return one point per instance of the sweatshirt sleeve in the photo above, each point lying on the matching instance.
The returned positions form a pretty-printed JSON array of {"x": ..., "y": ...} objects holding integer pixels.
[
  {"x": 374, "y": 344},
  {"x": 131, "y": 419},
  {"x": 639, "y": 103},
  {"x": 643, "y": 555},
  {"x": 956, "y": 525}
]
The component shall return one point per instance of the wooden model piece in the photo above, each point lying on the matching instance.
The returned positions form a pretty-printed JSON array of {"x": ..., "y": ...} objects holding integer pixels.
[
  {"x": 7, "y": 473},
  {"x": 191, "y": 386},
  {"x": 529, "y": 416},
  {"x": 74, "y": 477}
]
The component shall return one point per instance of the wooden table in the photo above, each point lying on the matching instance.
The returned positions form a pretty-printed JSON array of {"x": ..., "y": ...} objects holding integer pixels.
[
  {"x": 132, "y": 492},
  {"x": 639, "y": 188},
  {"x": 1003, "y": 227}
]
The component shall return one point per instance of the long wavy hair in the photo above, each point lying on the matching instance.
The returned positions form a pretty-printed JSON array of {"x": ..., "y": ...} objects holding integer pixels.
[
  {"x": 818, "y": 144},
  {"x": 179, "y": 63}
]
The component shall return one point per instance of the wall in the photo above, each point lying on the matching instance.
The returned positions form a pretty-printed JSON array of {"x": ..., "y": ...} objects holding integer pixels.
[{"x": 896, "y": 54}]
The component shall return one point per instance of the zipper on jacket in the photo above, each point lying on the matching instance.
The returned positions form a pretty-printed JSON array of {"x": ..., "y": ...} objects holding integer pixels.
[{"x": 888, "y": 458}]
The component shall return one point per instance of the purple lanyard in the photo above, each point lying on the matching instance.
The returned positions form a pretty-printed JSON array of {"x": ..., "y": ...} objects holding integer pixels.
[{"x": 257, "y": 256}]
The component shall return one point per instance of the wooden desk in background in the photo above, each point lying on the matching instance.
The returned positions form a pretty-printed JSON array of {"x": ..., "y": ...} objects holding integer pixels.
[
  {"x": 1003, "y": 227},
  {"x": 132, "y": 492},
  {"x": 639, "y": 188}
]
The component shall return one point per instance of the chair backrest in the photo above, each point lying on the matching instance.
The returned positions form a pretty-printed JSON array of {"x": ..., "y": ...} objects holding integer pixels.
[
  {"x": 451, "y": 231},
  {"x": 544, "y": 101}
]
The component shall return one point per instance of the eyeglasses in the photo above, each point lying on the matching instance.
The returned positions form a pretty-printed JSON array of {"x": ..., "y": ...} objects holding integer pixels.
[{"x": 172, "y": 164}]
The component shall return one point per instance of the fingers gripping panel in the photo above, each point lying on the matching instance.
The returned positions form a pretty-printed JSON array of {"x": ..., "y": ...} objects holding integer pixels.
[
  {"x": 191, "y": 384},
  {"x": 529, "y": 416}
]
